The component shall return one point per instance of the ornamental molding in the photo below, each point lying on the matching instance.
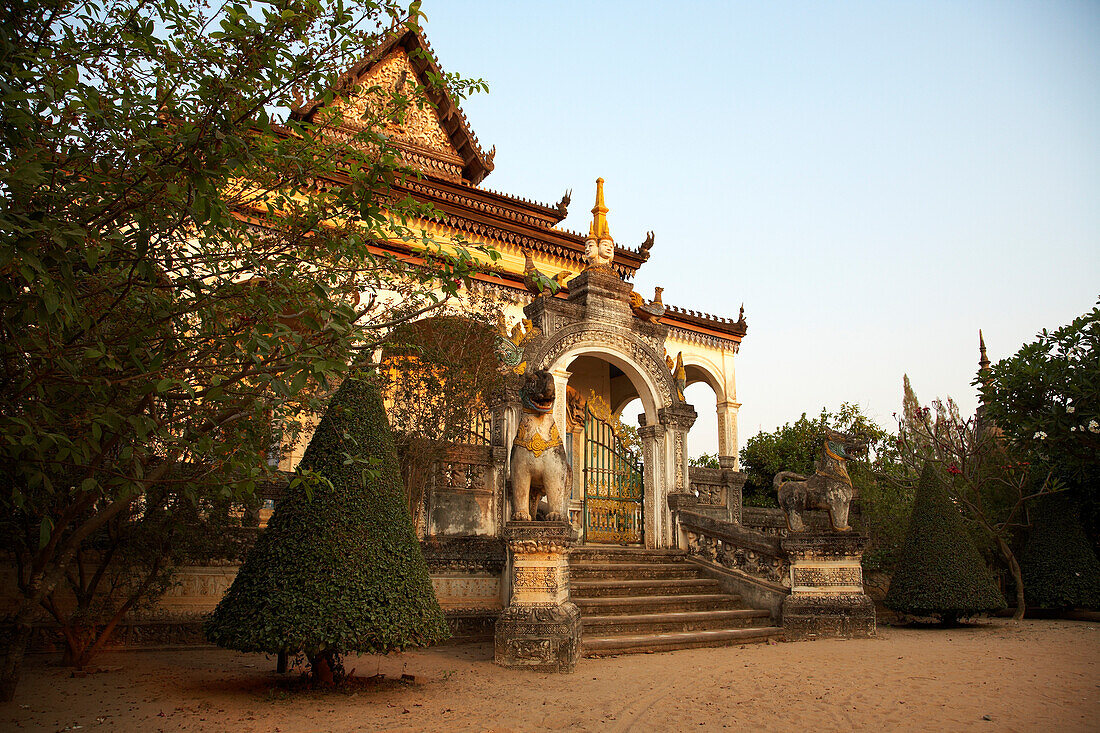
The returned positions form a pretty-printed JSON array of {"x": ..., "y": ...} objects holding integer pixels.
[{"x": 624, "y": 344}]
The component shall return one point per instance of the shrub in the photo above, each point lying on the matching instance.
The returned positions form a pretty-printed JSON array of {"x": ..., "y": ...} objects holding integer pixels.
[
  {"x": 940, "y": 572},
  {"x": 1059, "y": 566},
  {"x": 339, "y": 568}
]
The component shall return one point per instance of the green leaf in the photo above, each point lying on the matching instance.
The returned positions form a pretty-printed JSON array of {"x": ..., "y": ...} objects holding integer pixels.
[{"x": 44, "y": 531}]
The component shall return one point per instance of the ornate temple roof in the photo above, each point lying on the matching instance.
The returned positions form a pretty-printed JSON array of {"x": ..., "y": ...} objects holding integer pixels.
[
  {"x": 439, "y": 143},
  {"x": 410, "y": 43}
]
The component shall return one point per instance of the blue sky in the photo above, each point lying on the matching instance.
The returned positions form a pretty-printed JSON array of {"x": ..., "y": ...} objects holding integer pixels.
[{"x": 875, "y": 180}]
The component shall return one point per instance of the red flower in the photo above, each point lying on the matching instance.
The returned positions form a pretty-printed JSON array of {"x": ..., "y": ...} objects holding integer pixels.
[{"x": 953, "y": 470}]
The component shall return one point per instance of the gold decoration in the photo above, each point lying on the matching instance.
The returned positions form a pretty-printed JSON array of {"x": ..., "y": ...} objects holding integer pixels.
[
  {"x": 599, "y": 229},
  {"x": 536, "y": 443},
  {"x": 420, "y": 126}
]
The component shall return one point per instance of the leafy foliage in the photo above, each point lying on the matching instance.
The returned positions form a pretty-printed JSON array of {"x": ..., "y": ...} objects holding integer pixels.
[
  {"x": 440, "y": 375},
  {"x": 940, "y": 572},
  {"x": 182, "y": 259},
  {"x": 884, "y": 506},
  {"x": 1045, "y": 401},
  {"x": 705, "y": 460},
  {"x": 985, "y": 479},
  {"x": 1059, "y": 565},
  {"x": 339, "y": 568}
]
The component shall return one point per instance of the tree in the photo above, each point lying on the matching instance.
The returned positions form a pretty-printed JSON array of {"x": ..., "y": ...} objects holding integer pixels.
[
  {"x": 339, "y": 568},
  {"x": 1058, "y": 563},
  {"x": 991, "y": 485},
  {"x": 131, "y": 561},
  {"x": 441, "y": 375},
  {"x": 1045, "y": 402},
  {"x": 182, "y": 258},
  {"x": 940, "y": 572}
]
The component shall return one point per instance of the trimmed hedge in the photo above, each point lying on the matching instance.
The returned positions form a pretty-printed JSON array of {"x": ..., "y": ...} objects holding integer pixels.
[
  {"x": 338, "y": 569},
  {"x": 1059, "y": 566},
  {"x": 940, "y": 572}
]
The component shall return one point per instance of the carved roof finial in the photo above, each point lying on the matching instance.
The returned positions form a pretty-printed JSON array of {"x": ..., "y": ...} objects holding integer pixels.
[
  {"x": 599, "y": 228},
  {"x": 983, "y": 362}
]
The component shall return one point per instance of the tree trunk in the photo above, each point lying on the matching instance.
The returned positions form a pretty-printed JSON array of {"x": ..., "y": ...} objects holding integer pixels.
[
  {"x": 1017, "y": 576},
  {"x": 11, "y": 667},
  {"x": 78, "y": 637},
  {"x": 321, "y": 668}
]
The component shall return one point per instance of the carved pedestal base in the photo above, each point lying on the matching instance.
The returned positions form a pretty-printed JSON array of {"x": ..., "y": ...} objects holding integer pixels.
[
  {"x": 540, "y": 629},
  {"x": 544, "y": 639},
  {"x": 827, "y": 598}
]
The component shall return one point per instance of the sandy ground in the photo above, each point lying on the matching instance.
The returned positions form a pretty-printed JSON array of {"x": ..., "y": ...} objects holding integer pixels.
[{"x": 997, "y": 676}]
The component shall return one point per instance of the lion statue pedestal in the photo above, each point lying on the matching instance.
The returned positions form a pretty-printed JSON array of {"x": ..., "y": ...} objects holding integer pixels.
[
  {"x": 540, "y": 629},
  {"x": 827, "y": 598}
]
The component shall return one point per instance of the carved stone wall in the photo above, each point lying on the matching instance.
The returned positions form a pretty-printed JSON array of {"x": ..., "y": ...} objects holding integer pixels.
[
  {"x": 464, "y": 493},
  {"x": 717, "y": 491}
]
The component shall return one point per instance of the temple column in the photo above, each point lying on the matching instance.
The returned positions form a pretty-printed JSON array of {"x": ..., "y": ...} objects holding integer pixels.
[
  {"x": 727, "y": 430},
  {"x": 574, "y": 501},
  {"x": 654, "y": 451},
  {"x": 678, "y": 420}
]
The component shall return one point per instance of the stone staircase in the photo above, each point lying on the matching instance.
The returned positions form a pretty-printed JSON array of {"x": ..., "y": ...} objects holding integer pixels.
[{"x": 634, "y": 600}]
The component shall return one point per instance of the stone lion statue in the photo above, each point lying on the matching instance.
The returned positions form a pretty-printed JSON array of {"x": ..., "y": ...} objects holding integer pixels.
[
  {"x": 539, "y": 464},
  {"x": 830, "y": 488}
]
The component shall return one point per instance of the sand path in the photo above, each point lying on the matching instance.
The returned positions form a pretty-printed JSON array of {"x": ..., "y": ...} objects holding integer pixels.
[{"x": 997, "y": 676}]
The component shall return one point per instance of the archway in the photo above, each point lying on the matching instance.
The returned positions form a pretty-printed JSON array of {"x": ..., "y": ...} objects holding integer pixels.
[
  {"x": 610, "y": 379},
  {"x": 607, "y": 499}
]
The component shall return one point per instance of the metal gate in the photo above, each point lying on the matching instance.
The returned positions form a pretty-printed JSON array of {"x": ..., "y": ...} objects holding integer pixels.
[{"x": 613, "y": 487}]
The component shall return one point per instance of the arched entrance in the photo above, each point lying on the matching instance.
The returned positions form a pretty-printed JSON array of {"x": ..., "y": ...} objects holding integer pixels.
[{"x": 619, "y": 471}]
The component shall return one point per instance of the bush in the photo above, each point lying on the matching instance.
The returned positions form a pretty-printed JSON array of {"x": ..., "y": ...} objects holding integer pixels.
[
  {"x": 940, "y": 572},
  {"x": 1059, "y": 566},
  {"x": 339, "y": 568}
]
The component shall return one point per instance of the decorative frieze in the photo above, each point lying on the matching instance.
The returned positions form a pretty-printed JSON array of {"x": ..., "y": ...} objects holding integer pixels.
[
  {"x": 827, "y": 598},
  {"x": 540, "y": 628}
]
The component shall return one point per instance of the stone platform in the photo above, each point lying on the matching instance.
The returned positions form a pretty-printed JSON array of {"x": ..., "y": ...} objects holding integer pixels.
[
  {"x": 827, "y": 598},
  {"x": 540, "y": 629}
]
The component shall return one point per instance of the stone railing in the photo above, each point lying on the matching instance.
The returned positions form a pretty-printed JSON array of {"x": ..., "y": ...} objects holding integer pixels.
[
  {"x": 772, "y": 522},
  {"x": 734, "y": 547},
  {"x": 717, "y": 491}
]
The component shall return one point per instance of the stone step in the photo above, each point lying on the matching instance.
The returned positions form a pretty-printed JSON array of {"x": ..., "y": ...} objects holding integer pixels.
[
  {"x": 613, "y": 553},
  {"x": 609, "y": 570},
  {"x": 640, "y": 643},
  {"x": 656, "y": 623},
  {"x": 643, "y": 587},
  {"x": 620, "y": 605}
]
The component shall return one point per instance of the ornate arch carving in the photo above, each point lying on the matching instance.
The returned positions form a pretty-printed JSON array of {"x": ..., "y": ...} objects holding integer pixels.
[{"x": 616, "y": 340}]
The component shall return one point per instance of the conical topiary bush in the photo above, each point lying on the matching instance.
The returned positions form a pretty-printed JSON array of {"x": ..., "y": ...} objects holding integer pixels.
[
  {"x": 1059, "y": 566},
  {"x": 940, "y": 572},
  {"x": 339, "y": 568}
]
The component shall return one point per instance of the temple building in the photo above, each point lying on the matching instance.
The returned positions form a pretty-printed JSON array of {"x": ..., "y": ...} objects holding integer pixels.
[
  {"x": 661, "y": 554},
  {"x": 596, "y": 335}
]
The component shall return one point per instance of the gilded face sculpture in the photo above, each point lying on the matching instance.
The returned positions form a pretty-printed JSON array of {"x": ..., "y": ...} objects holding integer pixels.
[
  {"x": 591, "y": 252},
  {"x": 607, "y": 251},
  {"x": 599, "y": 252}
]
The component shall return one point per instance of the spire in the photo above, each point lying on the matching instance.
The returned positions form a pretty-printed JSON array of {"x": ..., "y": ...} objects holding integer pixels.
[
  {"x": 599, "y": 228},
  {"x": 983, "y": 362}
]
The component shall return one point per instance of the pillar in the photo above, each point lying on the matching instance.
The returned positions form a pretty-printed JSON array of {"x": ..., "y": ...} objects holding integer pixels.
[
  {"x": 540, "y": 629},
  {"x": 727, "y": 430},
  {"x": 827, "y": 598}
]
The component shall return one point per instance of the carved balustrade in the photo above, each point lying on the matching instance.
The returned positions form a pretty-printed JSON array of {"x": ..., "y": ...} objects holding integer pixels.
[
  {"x": 717, "y": 491},
  {"x": 772, "y": 522},
  {"x": 735, "y": 547}
]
